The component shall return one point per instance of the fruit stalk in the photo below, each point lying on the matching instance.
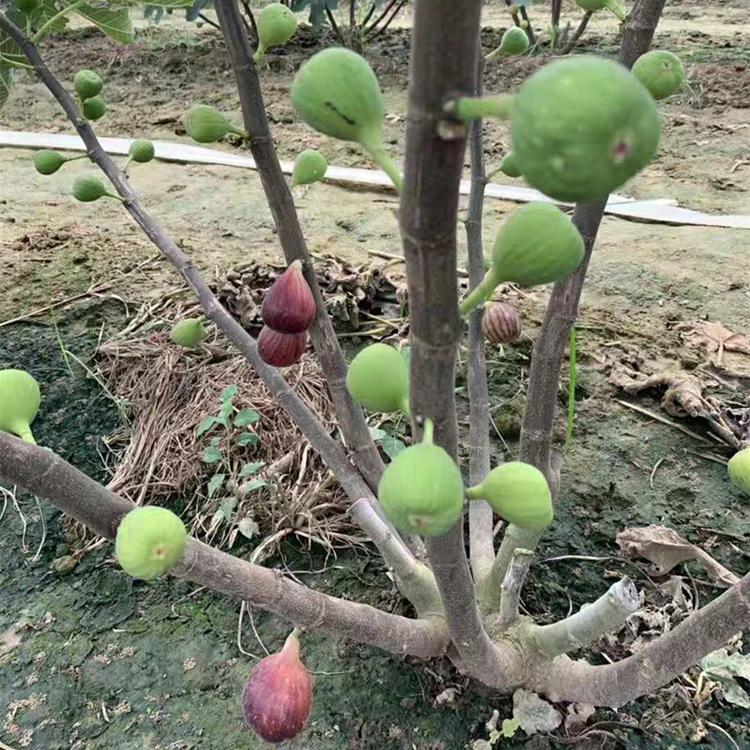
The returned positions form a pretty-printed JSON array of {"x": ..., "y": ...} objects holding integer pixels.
[
  {"x": 616, "y": 9},
  {"x": 383, "y": 159},
  {"x": 480, "y": 293},
  {"x": 473, "y": 107}
]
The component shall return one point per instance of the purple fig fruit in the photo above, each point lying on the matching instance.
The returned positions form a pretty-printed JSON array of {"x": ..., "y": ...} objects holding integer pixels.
[
  {"x": 501, "y": 323},
  {"x": 280, "y": 349},
  {"x": 277, "y": 698},
  {"x": 289, "y": 306}
]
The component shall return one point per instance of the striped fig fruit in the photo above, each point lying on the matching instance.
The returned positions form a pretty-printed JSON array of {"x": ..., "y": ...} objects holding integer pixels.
[
  {"x": 281, "y": 349},
  {"x": 501, "y": 323}
]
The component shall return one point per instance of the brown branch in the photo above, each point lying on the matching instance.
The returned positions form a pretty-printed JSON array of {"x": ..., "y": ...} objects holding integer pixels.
[
  {"x": 555, "y": 13},
  {"x": 351, "y": 420},
  {"x": 529, "y": 30},
  {"x": 578, "y": 33},
  {"x": 388, "y": 6},
  {"x": 481, "y": 547},
  {"x": 43, "y": 473},
  {"x": 388, "y": 21}
]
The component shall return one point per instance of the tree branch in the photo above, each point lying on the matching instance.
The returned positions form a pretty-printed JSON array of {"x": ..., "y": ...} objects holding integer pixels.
[
  {"x": 481, "y": 547},
  {"x": 43, "y": 473},
  {"x": 351, "y": 420},
  {"x": 512, "y": 586},
  {"x": 606, "y": 615},
  {"x": 578, "y": 33}
]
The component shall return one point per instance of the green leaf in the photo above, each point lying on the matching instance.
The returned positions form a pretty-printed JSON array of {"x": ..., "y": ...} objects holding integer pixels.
[
  {"x": 246, "y": 417},
  {"x": 249, "y": 469},
  {"x": 252, "y": 485},
  {"x": 228, "y": 393},
  {"x": 10, "y": 49},
  {"x": 212, "y": 455},
  {"x": 724, "y": 668},
  {"x": 6, "y": 81},
  {"x": 171, "y": 3},
  {"x": 510, "y": 727},
  {"x": 215, "y": 484},
  {"x": 248, "y": 528},
  {"x": 376, "y": 433},
  {"x": 247, "y": 438},
  {"x": 227, "y": 508},
  {"x": 226, "y": 409},
  {"x": 205, "y": 425},
  {"x": 114, "y": 22},
  {"x": 392, "y": 446}
]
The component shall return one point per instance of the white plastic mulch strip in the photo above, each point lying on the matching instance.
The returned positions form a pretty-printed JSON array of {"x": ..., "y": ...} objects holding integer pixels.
[{"x": 663, "y": 211}]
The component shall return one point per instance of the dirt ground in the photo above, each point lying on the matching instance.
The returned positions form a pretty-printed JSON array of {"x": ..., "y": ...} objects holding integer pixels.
[{"x": 90, "y": 659}]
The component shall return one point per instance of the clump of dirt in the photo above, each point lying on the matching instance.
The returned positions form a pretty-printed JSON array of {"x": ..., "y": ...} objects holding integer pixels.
[{"x": 721, "y": 84}]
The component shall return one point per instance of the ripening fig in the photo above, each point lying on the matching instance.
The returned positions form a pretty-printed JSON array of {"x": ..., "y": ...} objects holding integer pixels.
[
  {"x": 537, "y": 244},
  {"x": 581, "y": 127},
  {"x": 149, "y": 541},
  {"x": 289, "y": 305},
  {"x": 276, "y": 26},
  {"x": 509, "y": 166},
  {"x": 94, "y": 108},
  {"x": 501, "y": 323},
  {"x": 281, "y": 349},
  {"x": 336, "y": 93},
  {"x": 309, "y": 166},
  {"x": 378, "y": 379},
  {"x": 277, "y": 699},
  {"x": 87, "y": 84},
  {"x": 188, "y": 333},
  {"x": 518, "y": 492},
  {"x": 19, "y": 403},
  {"x": 421, "y": 490},
  {"x": 660, "y": 71},
  {"x": 611, "y": 5},
  {"x": 204, "y": 124},
  {"x": 47, "y": 162},
  {"x": 141, "y": 150},
  {"x": 739, "y": 470},
  {"x": 515, "y": 41},
  {"x": 88, "y": 189}
]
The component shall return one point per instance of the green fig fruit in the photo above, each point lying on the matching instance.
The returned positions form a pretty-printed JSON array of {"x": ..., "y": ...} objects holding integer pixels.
[
  {"x": 141, "y": 150},
  {"x": 150, "y": 540},
  {"x": 276, "y": 26},
  {"x": 19, "y": 403},
  {"x": 204, "y": 124},
  {"x": 94, "y": 108},
  {"x": 537, "y": 244},
  {"x": 336, "y": 93},
  {"x": 88, "y": 189},
  {"x": 518, "y": 492},
  {"x": 188, "y": 333},
  {"x": 378, "y": 379},
  {"x": 739, "y": 470},
  {"x": 613, "y": 6},
  {"x": 421, "y": 490},
  {"x": 87, "y": 84},
  {"x": 509, "y": 166},
  {"x": 581, "y": 127},
  {"x": 309, "y": 166},
  {"x": 660, "y": 71},
  {"x": 515, "y": 41},
  {"x": 47, "y": 162}
]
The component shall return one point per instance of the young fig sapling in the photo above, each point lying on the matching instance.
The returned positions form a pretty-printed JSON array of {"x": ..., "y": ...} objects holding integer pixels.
[
  {"x": 309, "y": 166},
  {"x": 277, "y": 698},
  {"x": 289, "y": 305},
  {"x": 515, "y": 41},
  {"x": 518, "y": 492},
  {"x": 739, "y": 470},
  {"x": 336, "y": 93},
  {"x": 378, "y": 379},
  {"x": 204, "y": 124},
  {"x": 276, "y": 26},
  {"x": 150, "y": 540},
  {"x": 87, "y": 84},
  {"x": 660, "y": 71},
  {"x": 581, "y": 127},
  {"x": 613, "y": 6},
  {"x": 421, "y": 490},
  {"x": 19, "y": 403},
  {"x": 537, "y": 244},
  {"x": 280, "y": 349},
  {"x": 188, "y": 333},
  {"x": 501, "y": 323}
]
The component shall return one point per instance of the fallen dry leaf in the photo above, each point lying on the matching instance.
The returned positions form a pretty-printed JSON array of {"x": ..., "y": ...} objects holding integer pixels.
[
  {"x": 714, "y": 337},
  {"x": 665, "y": 548}
]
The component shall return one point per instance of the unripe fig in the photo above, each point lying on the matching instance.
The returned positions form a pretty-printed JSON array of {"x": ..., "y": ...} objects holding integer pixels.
[
  {"x": 87, "y": 84},
  {"x": 141, "y": 150},
  {"x": 309, "y": 166},
  {"x": 94, "y": 108},
  {"x": 501, "y": 323},
  {"x": 336, "y": 93},
  {"x": 509, "y": 166},
  {"x": 537, "y": 244},
  {"x": 188, "y": 333},
  {"x": 289, "y": 305},
  {"x": 515, "y": 41},
  {"x": 149, "y": 541},
  {"x": 518, "y": 492},
  {"x": 277, "y": 699},
  {"x": 660, "y": 71},
  {"x": 47, "y": 162},
  {"x": 378, "y": 379},
  {"x": 739, "y": 470},
  {"x": 88, "y": 189},
  {"x": 204, "y": 124},
  {"x": 581, "y": 127},
  {"x": 276, "y": 26},
  {"x": 611, "y": 5},
  {"x": 19, "y": 403},
  {"x": 421, "y": 490},
  {"x": 281, "y": 349}
]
